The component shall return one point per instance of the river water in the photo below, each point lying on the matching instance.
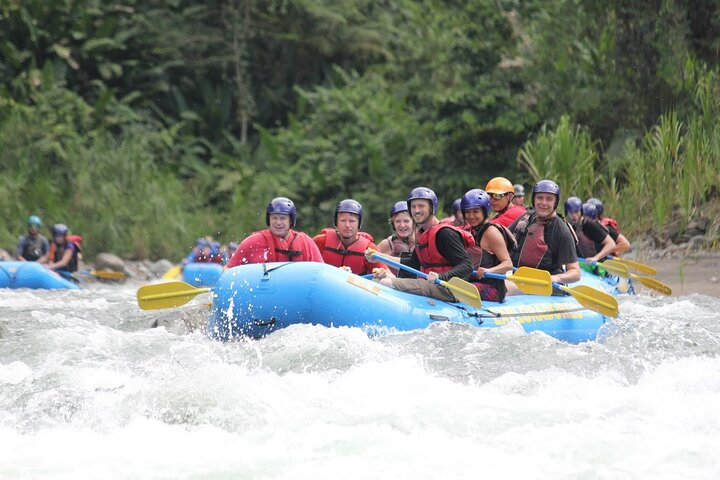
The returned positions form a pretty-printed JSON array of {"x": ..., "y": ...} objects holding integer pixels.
[{"x": 89, "y": 390}]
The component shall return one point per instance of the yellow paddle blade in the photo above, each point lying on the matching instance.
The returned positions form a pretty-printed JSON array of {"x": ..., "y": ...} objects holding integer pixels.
[
  {"x": 637, "y": 266},
  {"x": 167, "y": 295},
  {"x": 105, "y": 275},
  {"x": 616, "y": 268},
  {"x": 173, "y": 272},
  {"x": 656, "y": 285},
  {"x": 532, "y": 281},
  {"x": 593, "y": 299},
  {"x": 464, "y": 291}
]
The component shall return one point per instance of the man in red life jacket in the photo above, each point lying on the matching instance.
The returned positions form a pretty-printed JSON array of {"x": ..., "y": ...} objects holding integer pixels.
[
  {"x": 401, "y": 243},
  {"x": 440, "y": 251},
  {"x": 544, "y": 239},
  {"x": 279, "y": 242},
  {"x": 344, "y": 245},
  {"x": 622, "y": 244},
  {"x": 501, "y": 193}
]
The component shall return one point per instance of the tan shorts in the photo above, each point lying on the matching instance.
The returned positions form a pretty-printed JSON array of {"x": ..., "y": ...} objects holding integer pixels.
[{"x": 422, "y": 287}]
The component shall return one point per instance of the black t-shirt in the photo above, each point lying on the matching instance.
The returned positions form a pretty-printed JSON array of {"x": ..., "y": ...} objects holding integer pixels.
[
  {"x": 451, "y": 246},
  {"x": 595, "y": 232},
  {"x": 561, "y": 245}
]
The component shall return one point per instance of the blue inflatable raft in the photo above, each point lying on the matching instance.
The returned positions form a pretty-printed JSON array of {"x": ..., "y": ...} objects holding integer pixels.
[
  {"x": 255, "y": 300},
  {"x": 201, "y": 274},
  {"x": 31, "y": 275}
]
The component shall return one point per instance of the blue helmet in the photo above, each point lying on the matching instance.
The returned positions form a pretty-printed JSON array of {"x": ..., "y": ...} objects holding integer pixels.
[
  {"x": 349, "y": 206},
  {"x": 281, "y": 206},
  {"x": 423, "y": 193},
  {"x": 573, "y": 204},
  {"x": 34, "y": 220},
  {"x": 546, "y": 186},
  {"x": 519, "y": 190},
  {"x": 599, "y": 207},
  {"x": 59, "y": 229},
  {"x": 475, "y": 198},
  {"x": 456, "y": 205},
  {"x": 400, "y": 206},
  {"x": 589, "y": 210}
]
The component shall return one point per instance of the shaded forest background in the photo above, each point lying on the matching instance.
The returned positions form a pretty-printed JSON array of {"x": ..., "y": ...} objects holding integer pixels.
[{"x": 146, "y": 124}]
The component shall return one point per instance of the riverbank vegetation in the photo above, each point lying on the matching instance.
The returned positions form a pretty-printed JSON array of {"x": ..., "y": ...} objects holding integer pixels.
[{"x": 146, "y": 124}]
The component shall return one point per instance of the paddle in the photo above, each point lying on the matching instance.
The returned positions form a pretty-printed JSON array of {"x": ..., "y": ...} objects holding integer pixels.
[
  {"x": 621, "y": 270},
  {"x": 172, "y": 272},
  {"x": 464, "y": 291},
  {"x": 167, "y": 295},
  {"x": 592, "y": 298},
  {"x": 68, "y": 276},
  {"x": 637, "y": 266},
  {"x": 529, "y": 280}
]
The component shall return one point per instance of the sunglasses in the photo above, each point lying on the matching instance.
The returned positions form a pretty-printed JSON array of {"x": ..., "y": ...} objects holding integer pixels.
[{"x": 497, "y": 196}]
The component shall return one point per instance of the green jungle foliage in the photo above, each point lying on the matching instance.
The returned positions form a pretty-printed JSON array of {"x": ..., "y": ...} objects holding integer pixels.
[{"x": 146, "y": 124}]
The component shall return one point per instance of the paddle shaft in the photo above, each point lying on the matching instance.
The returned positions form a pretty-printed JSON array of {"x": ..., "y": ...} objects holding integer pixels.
[
  {"x": 407, "y": 268},
  {"x": 464, "y": 292},
  {"x": 529, "y": 280},
  {"x": 503, "y": 276},
  {"x": 181, "y": 293},
  {"x": 640, "y": 267}
]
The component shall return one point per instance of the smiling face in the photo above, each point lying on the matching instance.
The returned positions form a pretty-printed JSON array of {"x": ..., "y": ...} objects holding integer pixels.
[
  {"x": 279, "y": 224},
  {"x": 403, "y": 224},
  {"x": 545, "y": 204},
  {"x": 474, "y": 216},
  {"x": 347, "y": 225},
  {"x": 421, "y": 211}
]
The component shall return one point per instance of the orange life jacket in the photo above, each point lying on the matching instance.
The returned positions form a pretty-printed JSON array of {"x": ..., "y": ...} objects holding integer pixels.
[{"x": 353, "y": 255}]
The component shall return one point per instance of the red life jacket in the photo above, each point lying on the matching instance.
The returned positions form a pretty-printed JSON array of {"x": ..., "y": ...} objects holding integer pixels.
[
  {"x": 507, "y": 217},
  {"x": 263, "y": 247},
  {"x": 607, "y": 221},
  {"x": 280, "y": 250},
  {"x": 353, "y": 255},
  {"x": 426, "y": 248}
]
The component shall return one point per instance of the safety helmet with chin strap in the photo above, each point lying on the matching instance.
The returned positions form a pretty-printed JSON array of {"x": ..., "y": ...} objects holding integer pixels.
[
  {"x": 423, "y": 193},
  {"x": 281, "y": 206},
  {"x": 349, "y": 206},
  {"x": 476, "y": 198},
  {"x": 546, "y": 186}
]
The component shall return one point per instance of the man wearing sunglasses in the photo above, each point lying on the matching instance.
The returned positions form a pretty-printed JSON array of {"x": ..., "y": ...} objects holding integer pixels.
[{"x": 501, "y": 192}]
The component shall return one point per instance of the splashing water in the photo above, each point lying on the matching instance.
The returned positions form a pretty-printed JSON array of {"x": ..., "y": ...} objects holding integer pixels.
[{"x": 89, "y": 390}]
